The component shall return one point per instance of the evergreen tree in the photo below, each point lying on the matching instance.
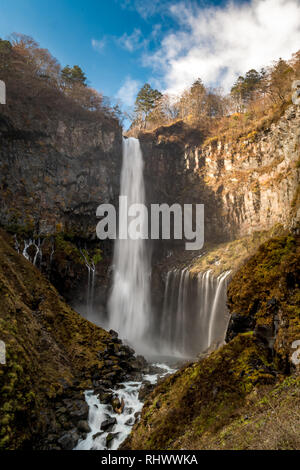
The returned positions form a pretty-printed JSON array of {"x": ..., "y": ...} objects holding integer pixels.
[
  {"x": 5, "y": 54},
  {"x": 237, "y": 93},
  {"x": 72, "y": 76},
  {"x": 78, "y": 75},
  {"x": 251, "y": 84},
  {"x": 146, "y": 101},
  {"x": 197, "y": 99}
]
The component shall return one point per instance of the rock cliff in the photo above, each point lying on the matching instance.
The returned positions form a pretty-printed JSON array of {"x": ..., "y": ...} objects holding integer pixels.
[
  {"x": 58, "y": 162},
  {"x": 247, "y": 185},
  {"x": 57, "y": 167}
]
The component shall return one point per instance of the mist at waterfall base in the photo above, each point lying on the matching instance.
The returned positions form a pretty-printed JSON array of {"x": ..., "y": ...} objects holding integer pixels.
[{"x": 193, "y": 316}]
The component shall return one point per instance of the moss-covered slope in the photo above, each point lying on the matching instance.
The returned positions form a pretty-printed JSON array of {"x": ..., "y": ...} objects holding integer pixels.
[
  {"x": 264, "y": 296},
  {"x": 237, "y": 396},
  {"x": 49, "y": 347}
]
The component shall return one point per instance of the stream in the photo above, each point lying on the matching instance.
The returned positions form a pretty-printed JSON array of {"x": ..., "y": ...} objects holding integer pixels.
[{"x": 113, "y": 437}]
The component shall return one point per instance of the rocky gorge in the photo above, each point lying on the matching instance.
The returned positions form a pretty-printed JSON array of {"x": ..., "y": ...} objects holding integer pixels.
[{"x": 56, "y": 168}]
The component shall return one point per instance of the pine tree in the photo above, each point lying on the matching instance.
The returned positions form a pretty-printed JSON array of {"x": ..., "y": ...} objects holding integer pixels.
[
  {"x": 5, "y": 54},
  {"x": 78, "y": 75},
  {"x": 146, "y": 101},
  {"x": 72, "y": 76}
]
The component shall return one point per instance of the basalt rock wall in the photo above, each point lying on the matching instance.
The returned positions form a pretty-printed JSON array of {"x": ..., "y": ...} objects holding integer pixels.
[
  {"x": 247, "y": 184},
  {"x": 57, "y": 169}
]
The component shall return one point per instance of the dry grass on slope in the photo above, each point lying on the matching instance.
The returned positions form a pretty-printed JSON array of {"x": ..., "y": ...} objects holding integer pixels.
[{"x": 48, "y": 346}]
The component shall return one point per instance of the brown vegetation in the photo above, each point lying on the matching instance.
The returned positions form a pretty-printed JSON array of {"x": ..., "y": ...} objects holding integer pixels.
[
  {"x": 49, "y": 348},
  {"x": 34, "y": 77},
  {"x": 255, "y": 101}
]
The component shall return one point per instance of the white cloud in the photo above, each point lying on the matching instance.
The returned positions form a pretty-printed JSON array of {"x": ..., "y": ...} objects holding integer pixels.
[
  {"x": 144, "y": 8},
  {"x": 132, "y": 41},
  {"x": 128, "y": 91},
  {"x": 219, "y": 43},
  {"x": 98, "y": 45}
]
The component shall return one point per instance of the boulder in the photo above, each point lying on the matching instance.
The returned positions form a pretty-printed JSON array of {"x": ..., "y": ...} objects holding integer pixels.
[
  {"x": 130, "y": 421},
  {"x": 110, "y": 437},
  {"x": 69, "y": 440},
  {"x": 108, "y": 424},
  {"x": 83, "y": 426},
  {"x": 118, "y": 406},
  {"x": 113, "y": 333},
  {"x": 79, "y": 411},
  {"x": 145, "y": 390},
  {"x": 105, "y": 397}
]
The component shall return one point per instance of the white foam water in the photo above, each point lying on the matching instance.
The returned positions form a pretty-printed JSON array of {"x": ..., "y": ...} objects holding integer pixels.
[{"x": 99, "y": 412}]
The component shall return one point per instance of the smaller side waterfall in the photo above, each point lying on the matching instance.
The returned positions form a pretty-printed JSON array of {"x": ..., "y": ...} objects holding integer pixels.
[
  {"x": 37, "y": 248},
  {"x": 91, "y": 284},
  {"x": 194, "y": 313}
]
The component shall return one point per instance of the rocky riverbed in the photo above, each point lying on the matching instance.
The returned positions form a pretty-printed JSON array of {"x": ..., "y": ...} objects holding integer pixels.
[
  {"x": 114, "y": 411},
  {"x": 102, "y": 417}
]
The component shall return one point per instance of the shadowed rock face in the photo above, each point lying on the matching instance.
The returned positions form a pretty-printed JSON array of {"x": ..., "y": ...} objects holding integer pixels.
[
  {"x": 56, "y": 172},
  {"x": 247, "y": 184},
  {"x": 57, "y": 164}
]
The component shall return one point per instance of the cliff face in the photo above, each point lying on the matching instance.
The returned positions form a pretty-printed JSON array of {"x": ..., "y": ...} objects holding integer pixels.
[
  {"x": 246, "y": 185},
  {"x": 58, "y": 162},
  {"x": 169, "y": 179},
  {"x": 56, "y": 168}
]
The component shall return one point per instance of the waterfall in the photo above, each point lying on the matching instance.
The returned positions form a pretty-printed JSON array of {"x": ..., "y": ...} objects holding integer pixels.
[
  {"x": 38, "y": 251},
  {"x": 194, "y": 312},
  {"x": 90, "y": 285},
  {"x": 129, "y": 302}
]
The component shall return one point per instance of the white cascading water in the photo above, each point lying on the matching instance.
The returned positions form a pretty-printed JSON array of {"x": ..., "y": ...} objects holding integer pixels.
[
  {"x": 98, "y": 412},
  {"x": 129, "y": 303},
  {"x": 90, "y": 284},
  {"x": 194, "y": 313}
]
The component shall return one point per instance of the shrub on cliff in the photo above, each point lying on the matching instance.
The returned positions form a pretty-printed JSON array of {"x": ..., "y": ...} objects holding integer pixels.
[{"x": 32, "y": 72}]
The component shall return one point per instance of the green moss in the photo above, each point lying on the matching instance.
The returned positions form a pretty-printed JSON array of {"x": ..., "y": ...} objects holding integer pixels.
[
  {"x": 231, "y": 255},
  {"x": 207, "y": 404},
  {"x": 41, "y": 355},
  {"x": 268, "y": 285},
  {"x": 68, "y": 248},
  {"x": 203, "y": 396}
]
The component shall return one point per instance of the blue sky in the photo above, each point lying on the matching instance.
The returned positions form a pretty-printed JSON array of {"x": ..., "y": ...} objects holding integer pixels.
[
  {"x": 68, "y": 27},
  {"x": 121, "y": 44}
]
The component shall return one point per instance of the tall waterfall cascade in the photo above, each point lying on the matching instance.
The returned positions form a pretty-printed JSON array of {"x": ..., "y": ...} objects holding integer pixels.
[
  {"x": 129, "y": 303},
  {"x": 194, "y": 313}
]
